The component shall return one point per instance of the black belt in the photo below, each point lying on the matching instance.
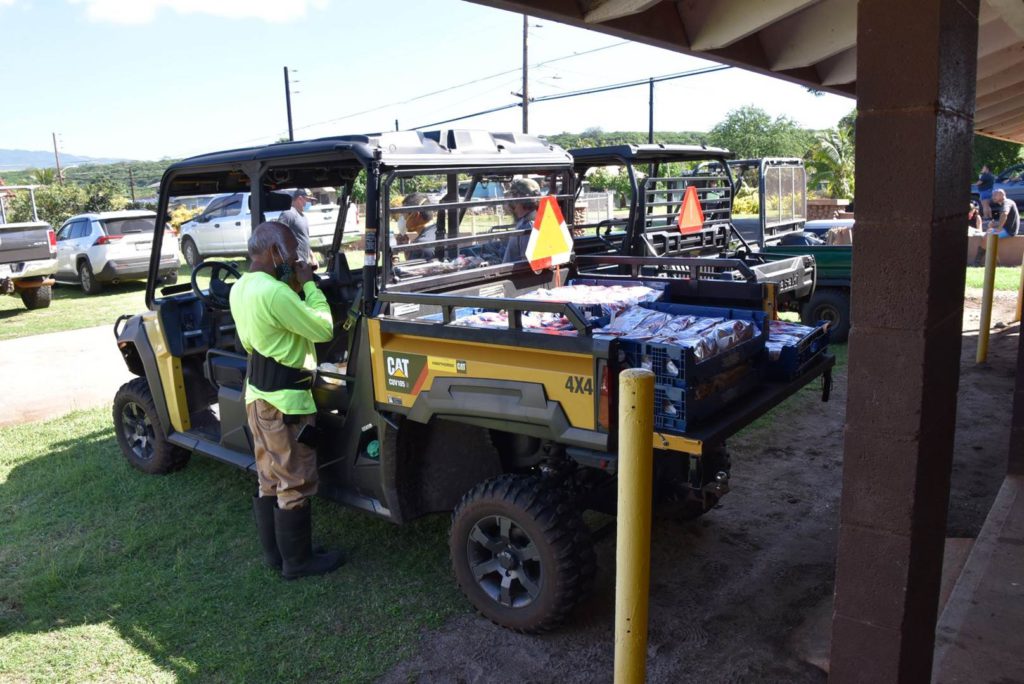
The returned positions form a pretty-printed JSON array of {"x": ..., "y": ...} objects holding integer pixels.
[{"x": 268, "y": 375}]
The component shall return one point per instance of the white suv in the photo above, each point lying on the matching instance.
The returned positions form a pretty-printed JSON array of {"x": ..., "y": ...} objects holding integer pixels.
[
  {"x": 224, "y": 227},
  {"x": 110, "y": 247}
]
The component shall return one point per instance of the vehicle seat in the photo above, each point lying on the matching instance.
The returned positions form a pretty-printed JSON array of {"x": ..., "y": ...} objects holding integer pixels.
[{"x": 226, "y": 369}]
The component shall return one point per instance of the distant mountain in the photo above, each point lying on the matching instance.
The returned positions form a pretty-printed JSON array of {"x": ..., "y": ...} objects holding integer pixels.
[{"x": 16, "y": 160}]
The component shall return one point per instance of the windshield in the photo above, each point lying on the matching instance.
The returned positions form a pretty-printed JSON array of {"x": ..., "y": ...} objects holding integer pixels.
[{"x": 130, "y": 226}]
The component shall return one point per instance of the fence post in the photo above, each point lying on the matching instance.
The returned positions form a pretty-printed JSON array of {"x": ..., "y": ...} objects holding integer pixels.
[
  {"x": 985, "y": 324},
  {"x": 633, "y": 533}
]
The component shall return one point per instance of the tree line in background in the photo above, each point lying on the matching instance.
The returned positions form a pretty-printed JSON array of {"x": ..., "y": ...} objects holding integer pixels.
[{"x": 749, "y": 132}]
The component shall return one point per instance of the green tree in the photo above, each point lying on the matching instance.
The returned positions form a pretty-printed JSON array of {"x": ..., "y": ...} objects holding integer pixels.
[
  {"x": 104, "y": 196},
  {"x": 359, "y": 188},
  {"x": 43, "y": 176},
  {"x": 998, "y": 154},
  {"x": 56, "y": 203},
  {"x": 849, "y": 124},
  {"x": 832, "y": 163},
  {"x": 751, "y": 133},
  {"x": 601, "y": 180}
]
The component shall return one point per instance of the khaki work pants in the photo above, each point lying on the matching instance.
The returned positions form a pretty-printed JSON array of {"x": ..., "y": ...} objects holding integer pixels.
[{"x": 286, "y": 468}]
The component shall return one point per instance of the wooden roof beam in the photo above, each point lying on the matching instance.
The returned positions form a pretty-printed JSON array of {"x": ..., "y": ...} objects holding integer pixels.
[
  {"x": 716, "y": 24},
  {"x": 841, "y": 68},
  {"x": 811, "y": 35},
  {"x": 1012, "y": 12},
  {"x": 995, "y": 62},
  {"x": 981, "y": 113},
  {"x": 607, "y": 10},
  {"x": 1011, "y": 91},
  {"x": 998, "y": 81}
]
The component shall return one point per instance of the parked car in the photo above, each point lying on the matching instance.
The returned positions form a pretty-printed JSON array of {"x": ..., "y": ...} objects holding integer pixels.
[
  {"x": 28, "y": 253},
  {"x": 1010, "y": 180},
  {"x": 111, "y": 247},
  {"x": 224, "y": 227}
]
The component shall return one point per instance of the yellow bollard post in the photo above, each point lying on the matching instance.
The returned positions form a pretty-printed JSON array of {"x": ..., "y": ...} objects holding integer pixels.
[
  {"x": 1020, "y": 294},
  {"x": 633, "y": 534},
  {"x": 985, "y": 325}
]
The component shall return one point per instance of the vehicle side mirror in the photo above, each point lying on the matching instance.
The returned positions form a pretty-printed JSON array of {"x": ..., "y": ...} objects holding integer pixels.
[{"x": 202, "y": 218}]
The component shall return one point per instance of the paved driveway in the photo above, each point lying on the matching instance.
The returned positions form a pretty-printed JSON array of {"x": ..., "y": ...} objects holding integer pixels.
[{"x": 43, "y": 376}]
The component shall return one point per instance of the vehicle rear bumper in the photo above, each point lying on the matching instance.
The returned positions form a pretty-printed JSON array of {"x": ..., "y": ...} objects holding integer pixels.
[
  {"x": 28, "y": 269},
  {"x": 124, "y": 269}
]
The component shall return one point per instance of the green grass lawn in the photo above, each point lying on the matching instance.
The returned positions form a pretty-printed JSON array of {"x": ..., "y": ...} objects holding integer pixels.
[
  {"x": 1007, "y": 277},
  {"x": 108, "y": 574}
]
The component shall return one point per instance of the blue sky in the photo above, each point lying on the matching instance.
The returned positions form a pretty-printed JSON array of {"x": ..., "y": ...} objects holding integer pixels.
[{"x": 145, "y": 79}]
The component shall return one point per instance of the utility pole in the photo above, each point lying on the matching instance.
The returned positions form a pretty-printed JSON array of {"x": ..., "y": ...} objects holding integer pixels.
[
  {"x": 650, "y": 118},
  {"x": 288, "y": 104},
  {"x": 56, "y": 156},
  {"x": 526, "y": 79},
  {"x": 131, "y": 184},
  {"x": 396, "y": 124}
]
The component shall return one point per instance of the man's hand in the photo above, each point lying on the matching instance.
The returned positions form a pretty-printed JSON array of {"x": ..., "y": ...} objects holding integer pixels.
[{"x": 303, "y": 272}]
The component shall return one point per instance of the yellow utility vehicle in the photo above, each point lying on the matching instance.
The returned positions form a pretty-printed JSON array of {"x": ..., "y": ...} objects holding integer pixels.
[{"x": 511, "y": 427}]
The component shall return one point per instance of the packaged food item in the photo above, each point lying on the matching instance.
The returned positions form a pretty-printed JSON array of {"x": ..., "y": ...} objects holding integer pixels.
[{"x": 785, "y": 334}]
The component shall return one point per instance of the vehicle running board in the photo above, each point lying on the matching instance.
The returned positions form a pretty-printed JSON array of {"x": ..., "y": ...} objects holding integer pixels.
[{"x": 201, "y": 445}]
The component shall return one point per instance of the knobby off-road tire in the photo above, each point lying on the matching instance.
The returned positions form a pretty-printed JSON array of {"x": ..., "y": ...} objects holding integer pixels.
[
  {"x": 521, "y": 552},
  {"x": 139, "y": 433},
  {"x": 190, "y": 252},
  {"x": 87, "y": 278},
  {"x": 37, "y": 297},
  {"x": 832, "y": 305}
]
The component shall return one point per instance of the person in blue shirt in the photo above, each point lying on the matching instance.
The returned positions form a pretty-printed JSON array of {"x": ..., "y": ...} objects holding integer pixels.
[{"x": 986, "y": 181}]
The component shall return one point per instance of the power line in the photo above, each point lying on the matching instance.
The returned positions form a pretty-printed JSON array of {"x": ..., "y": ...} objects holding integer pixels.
[
  {"x": 586, "y": 91},
  {"x": 463, "y": 85}
]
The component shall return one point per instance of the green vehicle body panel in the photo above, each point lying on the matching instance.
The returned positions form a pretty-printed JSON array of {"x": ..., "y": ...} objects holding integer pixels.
[{"x": 834, "y": 262}]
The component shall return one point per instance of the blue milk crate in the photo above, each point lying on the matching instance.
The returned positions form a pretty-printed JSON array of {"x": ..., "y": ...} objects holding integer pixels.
[
  {"x": 690, "y": 371},
  {"x": 679, "y": 408},
  {"x": 794, "y": 359}
]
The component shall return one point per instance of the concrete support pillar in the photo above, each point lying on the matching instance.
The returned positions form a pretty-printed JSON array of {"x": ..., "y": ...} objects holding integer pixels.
[
  {"x": 915, "y": 98},
  {"x": 1015, "y": 464}
]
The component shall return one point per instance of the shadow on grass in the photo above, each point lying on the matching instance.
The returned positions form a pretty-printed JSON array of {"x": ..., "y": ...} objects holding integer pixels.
[{"x": 172, "y": 563}]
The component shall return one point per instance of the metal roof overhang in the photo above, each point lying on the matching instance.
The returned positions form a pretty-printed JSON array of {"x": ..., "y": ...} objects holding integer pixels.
[{"x": 810, "y": 42}]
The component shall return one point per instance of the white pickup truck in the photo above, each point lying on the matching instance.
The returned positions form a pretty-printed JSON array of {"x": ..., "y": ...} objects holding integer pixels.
[
  {"x": 28, "y": 254},
  {"x": 224, "y": 227}
]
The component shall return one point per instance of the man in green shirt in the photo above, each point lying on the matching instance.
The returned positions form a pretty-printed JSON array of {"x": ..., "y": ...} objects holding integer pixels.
[{"x": 279, "y": 329}]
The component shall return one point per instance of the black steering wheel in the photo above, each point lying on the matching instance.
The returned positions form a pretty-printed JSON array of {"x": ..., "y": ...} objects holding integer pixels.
[{"x": 216, "y": 296}]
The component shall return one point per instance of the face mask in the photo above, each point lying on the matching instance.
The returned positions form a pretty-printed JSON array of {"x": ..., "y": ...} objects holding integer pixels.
[
  {"x": 401, "y": 225},
  {"x": 283, "y": 270}
]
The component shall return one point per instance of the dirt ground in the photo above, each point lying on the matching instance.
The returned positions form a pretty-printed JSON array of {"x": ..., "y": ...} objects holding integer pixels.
[{"x": 728, "y": 590}]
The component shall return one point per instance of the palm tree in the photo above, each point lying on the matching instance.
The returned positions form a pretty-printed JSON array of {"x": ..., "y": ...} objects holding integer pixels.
[
  {"x": 44, "y": 176},
  {"x": 832, "y": 160}
]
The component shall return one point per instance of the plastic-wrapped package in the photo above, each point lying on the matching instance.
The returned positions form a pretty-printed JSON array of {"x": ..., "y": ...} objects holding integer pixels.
[
  {"x": 785, "y": 334},
  {"x": 613, "y": 299}
]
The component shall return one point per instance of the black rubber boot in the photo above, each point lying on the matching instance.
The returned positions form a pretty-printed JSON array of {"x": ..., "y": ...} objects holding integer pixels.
[
  {"x": 294, "y": 530},
  {"x": 263, "y": 508}
]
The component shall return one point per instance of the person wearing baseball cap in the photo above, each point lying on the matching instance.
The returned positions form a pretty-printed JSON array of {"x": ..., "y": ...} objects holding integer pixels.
[
  {"x": 522, "y": 196},
  {"x": 297, "y": 222}
]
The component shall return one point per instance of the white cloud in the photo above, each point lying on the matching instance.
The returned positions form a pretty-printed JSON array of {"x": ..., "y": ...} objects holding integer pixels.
[
  {"x": 145, "y": 11},
  {"x": 6, "y": 2}
]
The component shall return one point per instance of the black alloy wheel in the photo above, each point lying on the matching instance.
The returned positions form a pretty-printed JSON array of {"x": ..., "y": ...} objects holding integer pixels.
[
  {"x": 521, "y": 552},
  {"x": 139, "y": 432},
  {"x": 505, "y": 562}
]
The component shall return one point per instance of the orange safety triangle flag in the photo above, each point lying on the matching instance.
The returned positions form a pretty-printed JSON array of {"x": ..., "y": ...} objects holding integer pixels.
[
  {"x": 550, "y": 242},
  {"x": 691, "y": 218}
]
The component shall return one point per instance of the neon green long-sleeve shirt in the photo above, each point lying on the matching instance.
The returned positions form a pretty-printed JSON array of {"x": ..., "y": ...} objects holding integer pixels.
[{"x": 270, "y": 318}]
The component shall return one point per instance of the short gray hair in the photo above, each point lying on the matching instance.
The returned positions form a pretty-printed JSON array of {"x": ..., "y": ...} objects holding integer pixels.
[{"x": 265, "y": 236}]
